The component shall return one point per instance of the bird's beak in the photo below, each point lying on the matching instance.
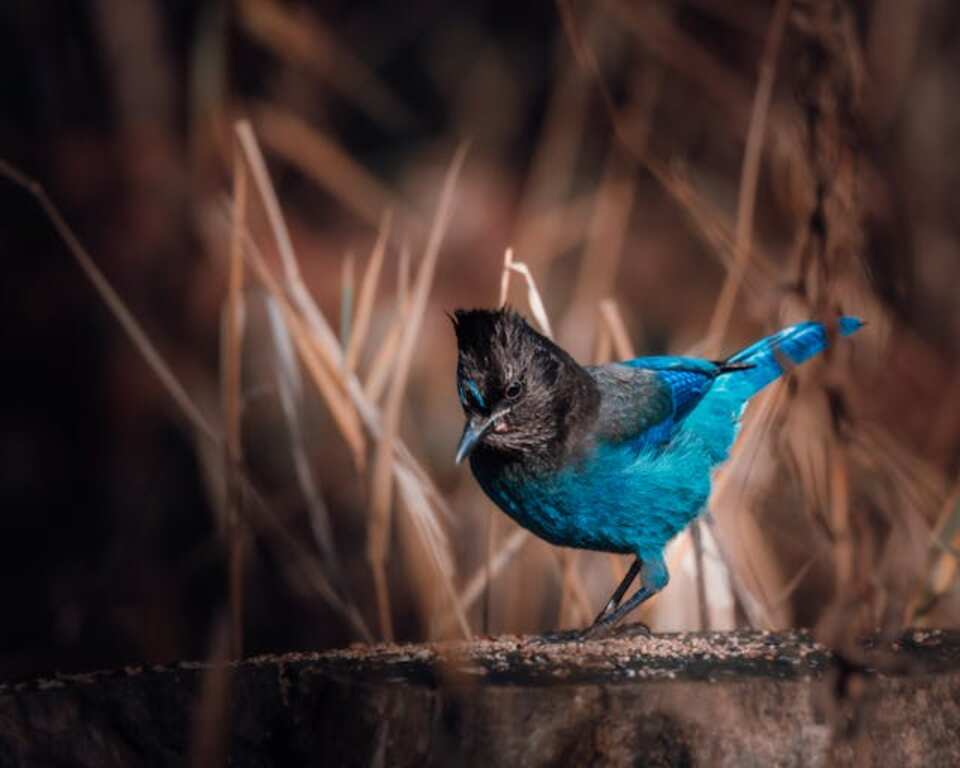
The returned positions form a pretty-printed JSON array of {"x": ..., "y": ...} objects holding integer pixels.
[{"x": 473, "y": 432}]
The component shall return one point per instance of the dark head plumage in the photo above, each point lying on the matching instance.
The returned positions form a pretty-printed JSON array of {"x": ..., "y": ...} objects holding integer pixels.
[{"x": 518, "y": 389}]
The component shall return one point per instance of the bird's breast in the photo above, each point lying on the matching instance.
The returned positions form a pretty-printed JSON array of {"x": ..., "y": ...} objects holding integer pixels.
[{"x": 614, "y": 500}]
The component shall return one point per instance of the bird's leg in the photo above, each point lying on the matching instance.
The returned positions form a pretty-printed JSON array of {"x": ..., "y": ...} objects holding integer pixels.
[
  {"x": 612, "y": 604},
  {"x": 614, "y": 601},
  {"x": 653, "y": 578}
]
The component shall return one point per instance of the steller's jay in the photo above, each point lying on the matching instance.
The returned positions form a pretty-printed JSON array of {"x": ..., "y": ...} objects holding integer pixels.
[{"x": 615, "y": 458}]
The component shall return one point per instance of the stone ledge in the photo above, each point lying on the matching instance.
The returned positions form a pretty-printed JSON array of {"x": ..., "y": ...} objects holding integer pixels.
[{"x": 741, "y": 698}]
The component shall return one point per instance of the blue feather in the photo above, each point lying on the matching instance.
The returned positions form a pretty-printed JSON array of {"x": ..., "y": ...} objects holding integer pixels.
[{"x": 686, "y": 378}]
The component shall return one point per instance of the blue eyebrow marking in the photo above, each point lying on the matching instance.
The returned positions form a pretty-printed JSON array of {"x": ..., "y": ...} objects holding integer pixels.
[{"x": 474, "y": 391}]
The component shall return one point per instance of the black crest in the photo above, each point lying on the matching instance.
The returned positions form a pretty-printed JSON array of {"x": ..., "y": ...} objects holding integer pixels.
[
  {"x": 505, "y": 364},
  {"x": 480, "y": 329},
  {"x": 499, "y": 345}
]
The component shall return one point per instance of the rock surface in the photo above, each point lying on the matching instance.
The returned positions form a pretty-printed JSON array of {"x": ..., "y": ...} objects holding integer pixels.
[{"x": 737, "y": 699}]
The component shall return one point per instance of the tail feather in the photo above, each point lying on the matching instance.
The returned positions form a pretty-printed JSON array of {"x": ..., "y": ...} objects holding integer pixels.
[{"x": 717, "y": 417}]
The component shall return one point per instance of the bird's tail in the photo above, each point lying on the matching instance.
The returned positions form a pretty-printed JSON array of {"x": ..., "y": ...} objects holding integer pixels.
[
  {"x": 717, "y": 417},
  {"x": 770, "y": 357}
]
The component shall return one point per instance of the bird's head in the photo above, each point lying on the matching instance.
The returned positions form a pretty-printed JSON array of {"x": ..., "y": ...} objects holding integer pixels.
[{"x": 513, "y": 383}]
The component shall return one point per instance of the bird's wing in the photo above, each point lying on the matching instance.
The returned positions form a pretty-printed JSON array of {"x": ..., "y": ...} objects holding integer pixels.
[
  {"x": 687, "y": 378},
  {"x": 643, "y": 399}
]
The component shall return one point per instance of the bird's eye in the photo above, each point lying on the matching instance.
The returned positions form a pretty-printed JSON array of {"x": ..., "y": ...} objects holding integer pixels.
[{"x": 513, "y": 391}]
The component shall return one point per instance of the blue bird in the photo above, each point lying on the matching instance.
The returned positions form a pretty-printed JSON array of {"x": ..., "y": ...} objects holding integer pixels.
[{"x": 614, "y": 458}]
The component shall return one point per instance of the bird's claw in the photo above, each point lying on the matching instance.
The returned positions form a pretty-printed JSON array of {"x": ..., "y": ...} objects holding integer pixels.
[{"x": 601, "y": 631}]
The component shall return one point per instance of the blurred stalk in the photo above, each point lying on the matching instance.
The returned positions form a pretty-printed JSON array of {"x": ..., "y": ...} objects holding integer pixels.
[
  {"x": 347, "y": 270},
  {"x": 212, "y": 719},
  {"x": 231, "y": 345},
  {"x": 368, "y": 292}
]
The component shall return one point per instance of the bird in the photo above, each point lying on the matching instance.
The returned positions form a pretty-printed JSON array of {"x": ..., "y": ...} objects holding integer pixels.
[{"x": 613, "y": 458}]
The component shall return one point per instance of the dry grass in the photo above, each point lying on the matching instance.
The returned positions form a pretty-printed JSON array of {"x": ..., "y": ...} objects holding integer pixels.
[{"x": 378, "y": 538}]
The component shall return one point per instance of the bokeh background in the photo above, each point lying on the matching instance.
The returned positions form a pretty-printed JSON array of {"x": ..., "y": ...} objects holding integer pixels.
[{"x": 677, "y": 175}]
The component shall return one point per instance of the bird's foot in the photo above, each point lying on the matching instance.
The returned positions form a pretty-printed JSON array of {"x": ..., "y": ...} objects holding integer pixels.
[
  {"x": 636, "y": 629},
  {"x": 605, "y": 630}
]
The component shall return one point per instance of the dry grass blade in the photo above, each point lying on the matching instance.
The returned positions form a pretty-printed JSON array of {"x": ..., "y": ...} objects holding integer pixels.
[
  {"x": 322, "y": 363},
  {"x": 268, "y": 196},
  {"x": 381, "y": 491},
  {"x": 114, "y": 303},
  {"x": 613, "y": 321},
  {"x": 231, "y": 346},
  {"x": 749, "y": 177},
  {"x": 696, "y": 539},
  {"x": 491, "y": 550},
  {"x": 403, "y": 279},
  {"x": 234, "y": 317},
  {"x": 948, "y": 540},
  {"x": 328, "y": 347},
  {"x": 794, "y": 581},
  {"x": 741, "y": 544},
  {"x": 603, "y": 346},
  {"x": 368, "y": 291},
  {"x": 533, "y": 294},
  {"x": 941, "y": 578},
  {"x": 428, "y": 529},
  {"x": 376, "y": 381},
  {"x": 327, "y": 385},
  {"x": 505, "y": 277},
  {"x": 322, "y": 349},
  {"x": 347, "y": 290},
  {"x": 324, "y": 380},
  {"x": 382, "y": 364},
  {"x": 290, "y": 392},
  {"x": 574, "y": 600},
  {"x": 367, "y": 410},
  {"x": 327, "y": 350},
  {"x": 843, "y": 557},
  {"x": 330, "y": 167}
]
